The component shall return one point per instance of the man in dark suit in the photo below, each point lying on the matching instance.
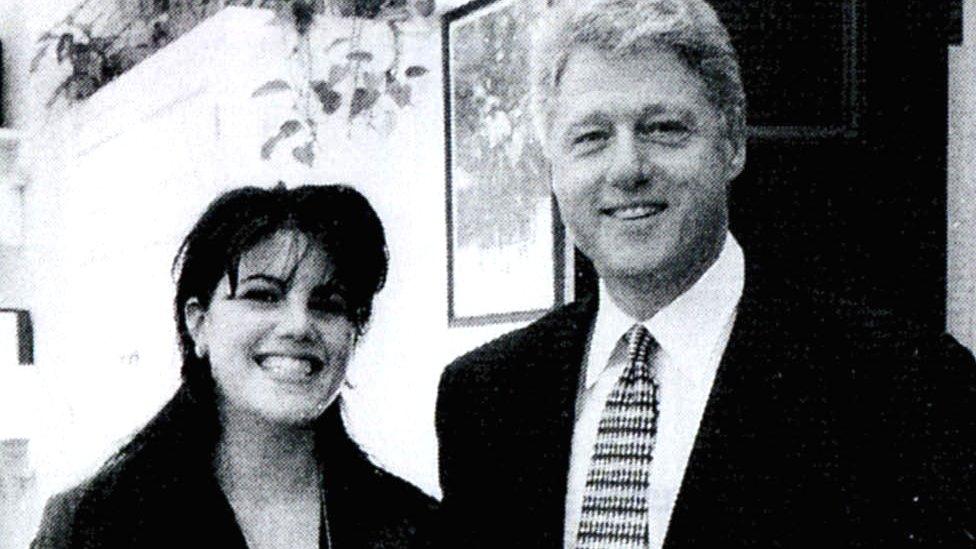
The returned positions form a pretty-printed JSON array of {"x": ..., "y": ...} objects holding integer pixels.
[{"x": 691, "y": 403}]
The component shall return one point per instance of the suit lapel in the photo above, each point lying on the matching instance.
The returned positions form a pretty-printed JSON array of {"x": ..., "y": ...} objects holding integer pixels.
[
  {"x": 711, "y": 476},
  {"x": 765, "y": 449}
]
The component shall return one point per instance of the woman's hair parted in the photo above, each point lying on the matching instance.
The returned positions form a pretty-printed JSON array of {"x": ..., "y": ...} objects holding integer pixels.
[{"x": 336, "y": 217}]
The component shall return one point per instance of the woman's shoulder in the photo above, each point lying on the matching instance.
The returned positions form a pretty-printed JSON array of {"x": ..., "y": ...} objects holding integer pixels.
[
  {"x": 57, "y": 522},
  {"x": 111, "y": 493},
  {"x": 160, "y": 466}
]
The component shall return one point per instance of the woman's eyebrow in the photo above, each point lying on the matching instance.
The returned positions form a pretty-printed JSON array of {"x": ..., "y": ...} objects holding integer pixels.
[
  {"x": 330, "y": 286},
  {"x": 263, "y": 277}
]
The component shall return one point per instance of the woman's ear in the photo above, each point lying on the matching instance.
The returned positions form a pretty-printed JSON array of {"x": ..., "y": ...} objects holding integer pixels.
[{"x": 196, "y": 319}]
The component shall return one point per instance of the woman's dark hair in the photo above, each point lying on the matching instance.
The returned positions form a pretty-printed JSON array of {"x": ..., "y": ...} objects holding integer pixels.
[{"x": 336, "y": 217}]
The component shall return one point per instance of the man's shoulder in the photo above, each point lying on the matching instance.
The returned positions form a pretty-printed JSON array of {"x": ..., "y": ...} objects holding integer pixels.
[
  {"x": 884, "y": 350},
  {"x": 565, "y": 325},
  {"x": 804, "y": 312}
]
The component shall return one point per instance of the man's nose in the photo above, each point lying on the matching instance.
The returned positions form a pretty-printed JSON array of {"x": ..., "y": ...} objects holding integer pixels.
[{"x": 627, "y": 163}]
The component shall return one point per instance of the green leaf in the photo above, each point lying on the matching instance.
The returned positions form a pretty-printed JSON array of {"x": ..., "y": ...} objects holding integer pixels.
[
  {"x": 269, "y": 147},
  {"x": 331, "y": 100},
  {"x": 304, "y": 154},
  {"x": 424, "y": 7},
  {"x": 416, "y": 71},
  {"x": 273, "y": 86},
  {"x": 65, "y": 44},
  {"x": 335, "y": 43},
  {"x": 289, "y": 129},
  {"x": 337, "y": 73},
  {"x": 399, "y": 92},
  {"x": 360, "y": 55},
  {"x": 41, "y": 52},
  {"x": 370, "y": 80},
  {"x": 362, "y": 100}
]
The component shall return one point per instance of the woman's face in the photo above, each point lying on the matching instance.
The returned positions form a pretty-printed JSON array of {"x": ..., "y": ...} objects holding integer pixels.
[{"x": 279, "y": 344}]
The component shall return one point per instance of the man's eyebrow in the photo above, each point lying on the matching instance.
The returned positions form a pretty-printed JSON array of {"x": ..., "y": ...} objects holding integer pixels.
[
  {"x": 682, "y": 111},
  {"x": 592, "y": 118}
]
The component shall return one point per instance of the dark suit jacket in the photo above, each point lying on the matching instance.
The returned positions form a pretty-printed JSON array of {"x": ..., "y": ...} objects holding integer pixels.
[
  {"x": 827, "y": 426},
  {"x": 176, "y": 502}
]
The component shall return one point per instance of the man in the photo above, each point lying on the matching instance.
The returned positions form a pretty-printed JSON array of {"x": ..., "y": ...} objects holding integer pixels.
[{"x": 692, "y": 404}]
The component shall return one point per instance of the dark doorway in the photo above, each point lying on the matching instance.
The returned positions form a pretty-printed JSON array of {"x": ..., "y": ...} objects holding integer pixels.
[{"x": 845, "y": 184}]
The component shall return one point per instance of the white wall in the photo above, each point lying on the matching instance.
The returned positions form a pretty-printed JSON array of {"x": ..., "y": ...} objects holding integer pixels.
[
  {"x": 119, "y": 178},
  {"x": 961, "y": 306}
]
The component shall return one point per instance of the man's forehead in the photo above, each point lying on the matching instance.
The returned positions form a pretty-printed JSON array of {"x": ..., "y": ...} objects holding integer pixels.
[{"x": 650, "y": 81}]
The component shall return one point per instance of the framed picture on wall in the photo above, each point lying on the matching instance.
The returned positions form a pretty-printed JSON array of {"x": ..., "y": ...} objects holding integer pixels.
[
  {"x": 3, "y": 89},
  {"x": 505, "y": 245},
  {"x": 16, "y": 338}
]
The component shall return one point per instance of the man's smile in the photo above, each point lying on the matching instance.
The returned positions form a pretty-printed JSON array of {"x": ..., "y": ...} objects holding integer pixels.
[{"x": 629, "y": 212}]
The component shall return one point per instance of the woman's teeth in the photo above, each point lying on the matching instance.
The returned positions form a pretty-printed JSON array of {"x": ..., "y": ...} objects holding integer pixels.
[{"x": 287, "y": 368}]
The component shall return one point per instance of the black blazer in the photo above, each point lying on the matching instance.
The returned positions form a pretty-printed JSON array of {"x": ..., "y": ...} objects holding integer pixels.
[
  {"x": 827, "y": 426},
  {"x": 166, "y": 495}
]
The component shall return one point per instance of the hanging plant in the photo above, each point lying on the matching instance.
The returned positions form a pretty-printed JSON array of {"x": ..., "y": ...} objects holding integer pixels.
[
  {"x": 99, "y": 49},
  {"x": 92, "y": 66},
  {"x": 354, "y": 85}
]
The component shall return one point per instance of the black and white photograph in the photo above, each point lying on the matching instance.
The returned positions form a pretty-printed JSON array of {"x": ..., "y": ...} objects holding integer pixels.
[
  {"x": 581, "y": 274},
  {"x": 503, "y": 225}
]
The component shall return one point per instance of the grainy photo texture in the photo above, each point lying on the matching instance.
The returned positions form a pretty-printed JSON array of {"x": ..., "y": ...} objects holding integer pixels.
[{"x": 647, "y": 274}]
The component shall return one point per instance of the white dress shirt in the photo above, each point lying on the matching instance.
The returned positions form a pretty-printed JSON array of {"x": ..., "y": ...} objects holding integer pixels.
[{"x": 692, "y": 332}]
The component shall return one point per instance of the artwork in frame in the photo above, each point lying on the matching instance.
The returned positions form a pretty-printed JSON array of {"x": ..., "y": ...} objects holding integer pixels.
[
  {"x": 16, "y": 338},
  {"x": 505, "y": 245}
]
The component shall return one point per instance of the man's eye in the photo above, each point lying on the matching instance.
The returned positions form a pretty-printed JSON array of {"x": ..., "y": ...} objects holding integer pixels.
[
  {"x": 589, "y": 138},
  {"x": 669, "y": 132}
]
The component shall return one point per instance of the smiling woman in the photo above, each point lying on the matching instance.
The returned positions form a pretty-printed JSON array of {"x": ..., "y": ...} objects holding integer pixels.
[{"x": 273, "y": 289}]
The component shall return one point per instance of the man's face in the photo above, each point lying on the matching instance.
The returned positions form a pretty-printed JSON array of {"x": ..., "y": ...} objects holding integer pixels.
[{"x": 640, "y": 165}]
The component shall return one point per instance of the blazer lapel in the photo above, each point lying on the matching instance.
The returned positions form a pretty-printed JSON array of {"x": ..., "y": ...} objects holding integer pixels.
[
  {"x": 766, "y": 449},
  {"x": 728, "y": 424}
]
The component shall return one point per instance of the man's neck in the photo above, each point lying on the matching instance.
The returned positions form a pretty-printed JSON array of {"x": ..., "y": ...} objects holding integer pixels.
[{"x": 641, "y": 297}]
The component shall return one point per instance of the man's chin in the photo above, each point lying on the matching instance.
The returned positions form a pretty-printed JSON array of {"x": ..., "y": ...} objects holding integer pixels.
[{"x": 634, "y": 266}]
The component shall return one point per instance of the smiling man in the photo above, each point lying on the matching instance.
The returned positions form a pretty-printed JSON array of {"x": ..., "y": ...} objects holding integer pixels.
[{"x": 691, "y": 404}]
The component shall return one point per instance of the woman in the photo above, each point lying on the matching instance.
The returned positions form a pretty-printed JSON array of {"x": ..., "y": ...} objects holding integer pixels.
[{"x": 274, "y": 288}]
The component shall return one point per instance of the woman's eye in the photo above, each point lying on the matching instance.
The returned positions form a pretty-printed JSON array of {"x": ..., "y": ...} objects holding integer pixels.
[
  {"x": 261, "y": 295},
  {"x": 330, "y": 305}
]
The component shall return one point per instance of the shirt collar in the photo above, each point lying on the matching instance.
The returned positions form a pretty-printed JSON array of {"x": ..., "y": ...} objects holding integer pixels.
[{"x": 688, "y": 329}]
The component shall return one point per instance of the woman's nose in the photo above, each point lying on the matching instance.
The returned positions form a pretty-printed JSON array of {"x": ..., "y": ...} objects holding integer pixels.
[{"x": 295, "y": 320}]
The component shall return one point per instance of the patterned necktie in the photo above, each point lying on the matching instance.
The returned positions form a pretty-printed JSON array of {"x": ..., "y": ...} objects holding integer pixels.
[{"x": 615, "y": 510}]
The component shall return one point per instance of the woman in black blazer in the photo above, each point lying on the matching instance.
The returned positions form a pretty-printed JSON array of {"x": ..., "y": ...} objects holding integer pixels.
[{"x": 274, "y": 288}]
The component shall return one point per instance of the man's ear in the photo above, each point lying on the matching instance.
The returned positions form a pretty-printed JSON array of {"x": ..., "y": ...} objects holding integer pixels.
[
  {"x": 196, "y": 319},
  {"x": 735, "y": 155}
]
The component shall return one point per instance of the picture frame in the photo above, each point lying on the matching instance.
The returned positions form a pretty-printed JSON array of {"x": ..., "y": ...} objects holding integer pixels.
[
  {"x": 16, "y": 337},
  {"x": 506, "y": 248}
]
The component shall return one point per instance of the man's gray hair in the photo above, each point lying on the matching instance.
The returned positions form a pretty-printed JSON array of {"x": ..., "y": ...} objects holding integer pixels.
[{"x": 691, "y": 28}]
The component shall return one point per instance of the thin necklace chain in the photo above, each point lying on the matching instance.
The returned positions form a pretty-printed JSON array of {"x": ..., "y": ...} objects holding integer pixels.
[{"x": 326, "y": 530}]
